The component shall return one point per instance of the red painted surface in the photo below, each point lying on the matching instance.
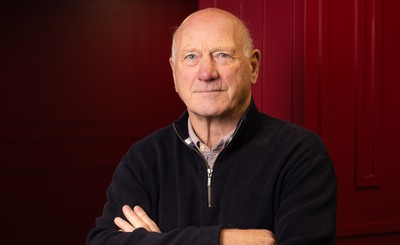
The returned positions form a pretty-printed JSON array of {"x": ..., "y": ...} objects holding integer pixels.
[
  {"x": 331, "y": 66},
  {"x": 357, "y": 44},
  {"x": 80, "y": 82}
]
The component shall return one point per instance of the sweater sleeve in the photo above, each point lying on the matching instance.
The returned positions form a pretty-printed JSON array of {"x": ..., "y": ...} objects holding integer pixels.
[
  {"x": 307, "y": 209},
  {"x": 129, "y": 187}
]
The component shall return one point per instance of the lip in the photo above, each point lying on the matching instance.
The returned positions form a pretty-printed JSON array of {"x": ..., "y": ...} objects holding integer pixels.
[{"x": 209, "y": 91}]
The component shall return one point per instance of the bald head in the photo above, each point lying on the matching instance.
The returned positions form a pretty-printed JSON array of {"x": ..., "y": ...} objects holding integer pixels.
[{"x": 211, "y": 19}]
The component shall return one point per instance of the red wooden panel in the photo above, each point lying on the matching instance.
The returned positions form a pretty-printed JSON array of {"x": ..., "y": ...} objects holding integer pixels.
[
  {"x": 298, "y": 71},
  {"x": 368, "y": 228},
  {"x": 387, "y": 239},
  {"x": 350, "y": 98},
  {"x": 315, "y": 25},
  {"x": 233, "y": 6},
  {"x": 337, "y": 108},
  {"x": 369, "y": 82},
  {"x": 253, "y": 14},
  {"x": 206, "y": 4},
  {"x": 278, "y": 61},
  {"x": 344, "y": 102},
  {"x": 316, "y": 60}
]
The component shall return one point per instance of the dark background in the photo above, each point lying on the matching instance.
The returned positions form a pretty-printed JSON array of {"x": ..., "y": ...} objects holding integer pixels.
[{"x": 80, "y": 82}]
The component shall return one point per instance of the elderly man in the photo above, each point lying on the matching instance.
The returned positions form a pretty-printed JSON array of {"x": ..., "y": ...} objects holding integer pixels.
[{"x": 223, "y": 173}]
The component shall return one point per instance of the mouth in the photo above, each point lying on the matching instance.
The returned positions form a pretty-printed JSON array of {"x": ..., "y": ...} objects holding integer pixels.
[{"x": 209, "y": 91}]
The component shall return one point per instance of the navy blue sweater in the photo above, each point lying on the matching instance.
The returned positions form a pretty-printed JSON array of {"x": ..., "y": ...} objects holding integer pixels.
[{"x": 273, "y": 175}]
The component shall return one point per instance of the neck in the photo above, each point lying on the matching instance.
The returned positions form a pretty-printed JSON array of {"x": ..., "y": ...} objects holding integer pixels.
[{"x": 211, "y": 130}]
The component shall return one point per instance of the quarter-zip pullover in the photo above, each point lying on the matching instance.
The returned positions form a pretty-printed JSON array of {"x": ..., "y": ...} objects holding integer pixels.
[{"x": 272, "y": 175}]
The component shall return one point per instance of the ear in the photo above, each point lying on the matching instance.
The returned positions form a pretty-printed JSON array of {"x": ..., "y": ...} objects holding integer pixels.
[
  {"x": 172, "y": 64},
  {"x": 255, "y": 59}
]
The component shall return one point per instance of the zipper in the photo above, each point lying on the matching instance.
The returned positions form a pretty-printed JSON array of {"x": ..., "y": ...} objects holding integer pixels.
[
  {"x": 209, "y": 170},
  {"x": 209, "y": 177}
]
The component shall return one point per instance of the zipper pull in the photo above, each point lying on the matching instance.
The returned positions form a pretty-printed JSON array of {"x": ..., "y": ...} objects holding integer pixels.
[{"x": 209, "y": 175}]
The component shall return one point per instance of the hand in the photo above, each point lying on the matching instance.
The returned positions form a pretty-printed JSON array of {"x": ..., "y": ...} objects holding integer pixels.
[
  {"x": 137, "y": 219},
  {"x": 247, "y": 237}
]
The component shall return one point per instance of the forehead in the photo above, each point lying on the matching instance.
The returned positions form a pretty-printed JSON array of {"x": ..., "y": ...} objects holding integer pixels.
[
  {"x": 205, "y": 33},
  {"x": 200, "y": 40}
]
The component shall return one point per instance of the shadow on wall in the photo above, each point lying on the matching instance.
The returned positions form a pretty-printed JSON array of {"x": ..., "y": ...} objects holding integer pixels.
[{"x": 81, "y": 81}]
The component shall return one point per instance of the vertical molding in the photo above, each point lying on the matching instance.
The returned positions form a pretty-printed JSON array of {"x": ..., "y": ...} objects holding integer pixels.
[
  {"x": 298, "y": 72},
  {"x": 316, "y": 60},
  {"x": 368, "y": 46},
  {"x": 253, "y": 15},
  {"x": 324, "y": 48}
]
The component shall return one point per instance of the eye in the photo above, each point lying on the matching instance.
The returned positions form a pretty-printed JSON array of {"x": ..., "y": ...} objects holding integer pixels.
[
  {"x": 190, "y": 60},
  {"x": 223, "y": 58},
  {"x": 223, "y": 55},
  {"x": 190, "y": 56}
]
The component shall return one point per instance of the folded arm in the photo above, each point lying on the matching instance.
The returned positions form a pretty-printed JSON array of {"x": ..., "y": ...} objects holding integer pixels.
[{"x": 137, "y": 218}]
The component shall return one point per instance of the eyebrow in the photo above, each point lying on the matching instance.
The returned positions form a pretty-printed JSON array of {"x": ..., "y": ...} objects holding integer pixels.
[
  {"x": 216, "y": 49},
  {"x": 189, "y": 50},
  {"x": 219, "y": 49},
  {"x": 223, "y": 48}
]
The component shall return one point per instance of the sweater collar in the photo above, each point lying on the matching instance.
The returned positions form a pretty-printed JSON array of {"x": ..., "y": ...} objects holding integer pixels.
[{"x": 250, "y": 122}]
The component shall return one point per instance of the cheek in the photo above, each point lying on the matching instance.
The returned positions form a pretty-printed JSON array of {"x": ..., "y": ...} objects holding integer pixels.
[
  {"x": 241, "y": 82},
  {"x": 180, "y": 78},
  {"x": 185, "y": 73},
  {"x": 237, "y": 78},
  {"x": 183, "y": 83}
]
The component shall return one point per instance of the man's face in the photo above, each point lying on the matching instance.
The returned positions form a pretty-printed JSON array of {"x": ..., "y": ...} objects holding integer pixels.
[{"x": 212, "y": 75}]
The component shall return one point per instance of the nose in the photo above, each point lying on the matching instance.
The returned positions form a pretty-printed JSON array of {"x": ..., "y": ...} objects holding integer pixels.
[{"x": 207, "y": 70}]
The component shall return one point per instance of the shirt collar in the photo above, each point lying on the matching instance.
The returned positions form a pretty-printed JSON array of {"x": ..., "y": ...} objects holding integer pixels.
[{"x": 194, "y": 139}]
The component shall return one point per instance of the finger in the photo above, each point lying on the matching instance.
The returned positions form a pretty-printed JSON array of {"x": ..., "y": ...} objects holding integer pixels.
[
  {"x": 146, "y": 219},
  {"x": 133, "y": 218},
  {"x": 123, "y": 225}
]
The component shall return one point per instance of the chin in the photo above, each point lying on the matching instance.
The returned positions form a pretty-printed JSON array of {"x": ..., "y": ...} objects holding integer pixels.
[{"x": 209, "y": 112}]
